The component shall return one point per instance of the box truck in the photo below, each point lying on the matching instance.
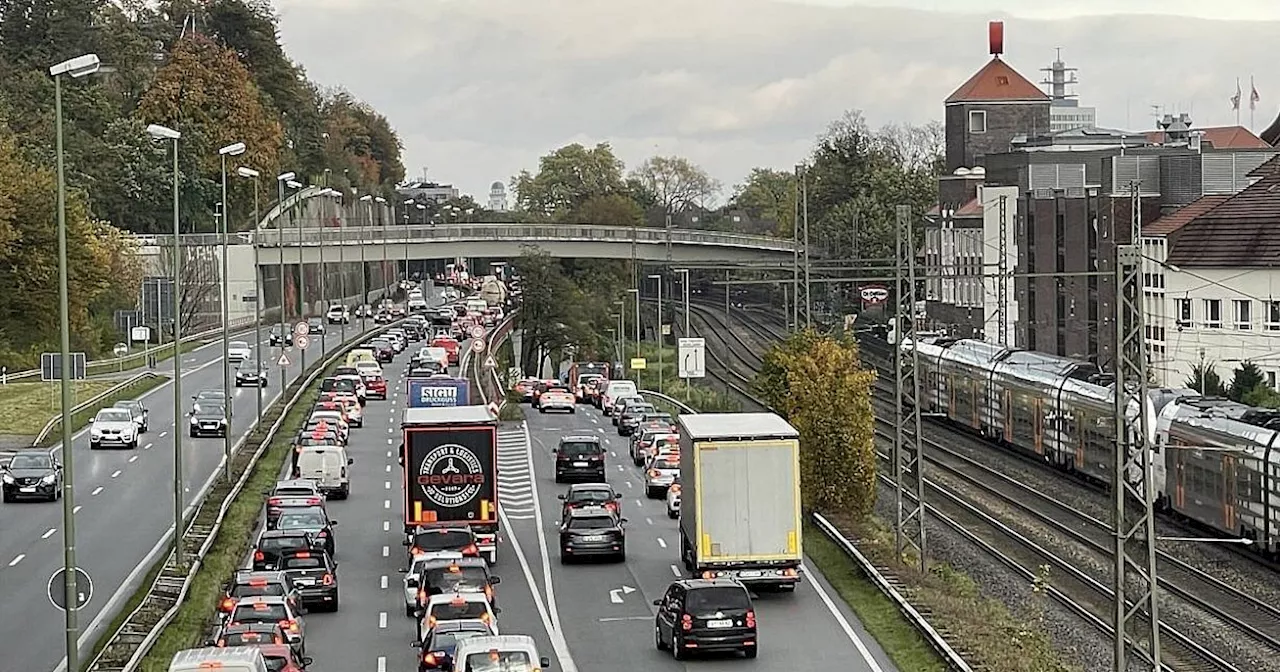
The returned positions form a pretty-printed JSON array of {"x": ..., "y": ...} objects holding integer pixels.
[
  {"x": 437, "y": 391},
  {"x": 740, "y": 489},
  {"x": 450, "y": 461}
]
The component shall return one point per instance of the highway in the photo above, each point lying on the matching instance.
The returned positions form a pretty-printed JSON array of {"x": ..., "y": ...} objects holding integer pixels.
[
  {"x": 123, "y": 507},
  {"x": 811, "y": 629}
]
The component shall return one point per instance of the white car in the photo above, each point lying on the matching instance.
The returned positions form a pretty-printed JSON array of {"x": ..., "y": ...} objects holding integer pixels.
[
  {"x": 498, "y": 652},
  {"x": 413, "y": 578},
  {"x": 369, "y": 369},
  {"x": 456, "y": 607},
  {"x": 238, "y": 351},
  {"x": 673, "y": 499},
  {"x": 338, "y": 315},
  {"x": 659, "y": 474},
  {"x": 361, "y": 392},
  {"x": 113, "y": 427}
]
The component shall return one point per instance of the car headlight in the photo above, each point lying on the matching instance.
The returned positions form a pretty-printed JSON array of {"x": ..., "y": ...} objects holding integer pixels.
[
  {"x": 8, "y": 479},
  {"x": 48, "y": 480},
  {"x": 95, "y": 432},
  {"x": 194, "y": 421}
]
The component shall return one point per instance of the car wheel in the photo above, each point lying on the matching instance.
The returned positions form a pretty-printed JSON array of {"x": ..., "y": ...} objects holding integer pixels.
[
  {"x": 94, "y": 446},
  {"x": 622, "y": 556},
  {"x": 639, "y": 462},
  {"x": 572, "y": 410},
  {"x": 677, "y": 647},
  {"x": 650, "y": 493},
  {"x": 564, "y": 559},
  {"x": 673, "y": 514},
  {"x": 194, "y": 434},
  {"x": 333, "y": 606},
  {"x": 542, "y": 410},
  {"x": 657, "y": 639},
  {"x": 408, "y": 610},
  {"x": 6, "y": 499}
]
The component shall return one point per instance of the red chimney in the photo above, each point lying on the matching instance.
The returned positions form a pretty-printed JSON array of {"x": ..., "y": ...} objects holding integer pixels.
[{"x": 995, "y": 36}]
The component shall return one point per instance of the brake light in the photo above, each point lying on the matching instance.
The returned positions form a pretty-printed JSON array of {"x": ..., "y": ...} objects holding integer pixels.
[
  {"x": 222, "y": 643},
  {"x": 313, "y": 501},
  {"x": 431, "y": 622},
  {"x": 612, "y": 506},
  {"x": 653, "y": 473},
  {"x": 328, "y": 579},
  {"x": 302, "y": 554},
  {"x": 485, "y": 618},
  {"x": 488, "y": 593},
  {"x": 789, "y": 572},
  {"x": 454, "y": 569},
  {"x": 493, "y": 655},
  {"x": 274, "y": 501},
  {"x": 227, "y": 605},
  {"x": 751, "y": 619},
  {"x": 258, "y": 556},
  {"x": 257, "y": 582},
  {"x": 430, "y": 658},
  {"x": 422, "y": 597},
  {"x": 471, "y": 550},
  {"x": 415, "y": 551},
  {"x": 290, "y": 625},
  {"x": 686, "y": 622}
]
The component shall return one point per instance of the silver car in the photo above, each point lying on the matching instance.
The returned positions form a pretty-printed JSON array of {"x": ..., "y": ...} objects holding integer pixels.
[
  {"x": 238, "y": 351},
  {"x": 140, "y": 414},
  {"x": 659, "y": 474},
  {"x": 113, "y": 427}
]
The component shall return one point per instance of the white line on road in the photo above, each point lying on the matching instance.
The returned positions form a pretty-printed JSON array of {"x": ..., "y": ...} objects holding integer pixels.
[
  {"x": 76, "y": 510},
  {"x": 96, "y": 491},
  {"x": 612, "y": 454},
  {"x": 386, "y": 485},
  {"x": 629, "y": 485},
  {"x": 382, "y": 664},
  {"x": 390, "y": 429},
  {"x": 639, "y": 503},
  {"x": 148, "y": 446},
  {"x": 115, "y": 474},
  {"x": 389, "y": 441},
  {"x": 49, "y": 533},
  {"x": 621, "y": 468},
  {"x": 382, "y": 619},
  {"x": 388, "y": 456},
  {"x": 388, "y": 468},
  {"x": 675, "y": 570},
  {"x": 133, "y": 459},
  {"x": 844, "y": 623},
  {"x": 386, "y": 504},
  {"x": 662, "y": 542},
  {"x": 386, "y": 526},
  {"x": 648, "y": 521},
  {"x": 386, "y": 551},
  {"x": 383, "y": 583},
  {"x": 17, "y": 559},
  {"x": 163, "y": 434}
]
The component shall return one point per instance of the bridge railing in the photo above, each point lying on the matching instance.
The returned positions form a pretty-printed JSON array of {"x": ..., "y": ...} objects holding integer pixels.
[{"x": 398, "y": 234}]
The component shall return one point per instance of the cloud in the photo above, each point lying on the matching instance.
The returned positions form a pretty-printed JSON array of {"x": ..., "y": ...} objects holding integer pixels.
[{"x": 480, "y": 89}]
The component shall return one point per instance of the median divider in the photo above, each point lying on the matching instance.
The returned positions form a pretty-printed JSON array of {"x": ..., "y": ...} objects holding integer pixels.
[
  {"x": 92, "y": 402},
  {"x": 161, "y": 602}
]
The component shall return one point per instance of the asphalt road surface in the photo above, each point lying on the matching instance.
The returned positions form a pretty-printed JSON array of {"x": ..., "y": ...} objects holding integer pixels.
[{"x": 123, "y": 507}]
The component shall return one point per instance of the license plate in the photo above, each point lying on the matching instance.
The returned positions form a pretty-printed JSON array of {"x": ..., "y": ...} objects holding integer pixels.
[
  {"x": 305, "y": 582},
  {"x": 579, "y": 464},
  {"x": 595, "y": 537},
  {"x": 32, "y": 489},
  {"x": 749, "y": 574},
  {"x": 726, "y": 623}
]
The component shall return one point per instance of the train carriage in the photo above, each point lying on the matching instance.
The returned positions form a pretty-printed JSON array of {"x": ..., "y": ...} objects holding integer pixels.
[
  {"x": 966, "y": 365},
  {"x": 1025, "y": 389}
]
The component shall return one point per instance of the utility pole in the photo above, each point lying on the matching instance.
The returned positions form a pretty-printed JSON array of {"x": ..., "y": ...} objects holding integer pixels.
[
  {"x": 1135, "y": 535},
  {"x": 1002, "y": 290},
  {"x": 795, "y": 251},
  {"x": 908, "y": 462},
  {"x": 808, "y": 304}
]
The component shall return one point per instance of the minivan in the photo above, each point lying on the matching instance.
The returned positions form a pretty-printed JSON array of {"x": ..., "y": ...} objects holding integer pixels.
[
  {"x": 327, "y": 466},
  {"x": 615, "y": 389},
  {"x": 230, "y": 659},
  {"x": 697, "y": 615}
]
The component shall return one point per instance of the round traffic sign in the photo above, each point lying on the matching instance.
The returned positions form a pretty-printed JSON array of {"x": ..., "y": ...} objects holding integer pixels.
[
  {"x": 477, "y": 345},
  {"x": 120, "y": 350},
  {"x": 302, "y": 341},
  {"x": 58, "y": 589},
  {"x": 301, "y": 329},
  {"x": 477, "y": 331}
]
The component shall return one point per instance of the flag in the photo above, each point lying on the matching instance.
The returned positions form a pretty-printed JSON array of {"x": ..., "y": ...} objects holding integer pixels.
[
  {"x": 1253, "y": 95},
  {"x": 1235, "y": 100}
]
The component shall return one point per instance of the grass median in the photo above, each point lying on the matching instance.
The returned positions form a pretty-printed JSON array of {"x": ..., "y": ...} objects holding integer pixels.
[
  {"x": 83, "y": 417},
  {"x": 139, "y": 360},
  {"x": 25, "y": 408}
]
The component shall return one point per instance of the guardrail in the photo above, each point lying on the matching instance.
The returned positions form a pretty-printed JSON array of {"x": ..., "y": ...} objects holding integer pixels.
[
  {"x": 935, "y": 640},
  {"x": 499, "y": 333},
  {"x": 171, "y": 585},
  {"x": 53, "y": 422}
]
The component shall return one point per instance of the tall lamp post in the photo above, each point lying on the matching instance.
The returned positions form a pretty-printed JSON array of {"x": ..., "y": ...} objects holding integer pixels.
[
  {"x": 382, "y": 215},
  {"x": 302, "y": 282},
  {"x": 367, "y": 200},
  {"x": 79, "y": 66},
  {"x": 658, "y": 281},
  {"x": 342, "y": 271},
  {"x": 162, "y": 133},
  {"x": 281, "y": 179},
  {"x": 250, "y": 173},
  {"x": 230, "y": 150},
  {"x": 684, "y": 285},
  {"x": 636, "y": 292}
]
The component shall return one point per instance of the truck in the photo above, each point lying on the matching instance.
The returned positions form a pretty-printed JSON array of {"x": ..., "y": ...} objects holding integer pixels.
[
  {"x": 740, "y": 512},
  {"x": 493, "y": 291},
  {"x": 437, "y": 391},
  {"x": 450, "y": 461},
  {"x": 578, "y": 369}
]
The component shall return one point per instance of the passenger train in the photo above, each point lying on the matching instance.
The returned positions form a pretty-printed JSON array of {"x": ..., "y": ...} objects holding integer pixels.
[{"x": 1214, "y": 461}]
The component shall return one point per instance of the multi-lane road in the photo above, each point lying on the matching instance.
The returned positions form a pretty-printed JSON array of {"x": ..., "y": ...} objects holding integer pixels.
[
  {"x": 584, "y": 617},
  {"x": 123, "y": 507}
]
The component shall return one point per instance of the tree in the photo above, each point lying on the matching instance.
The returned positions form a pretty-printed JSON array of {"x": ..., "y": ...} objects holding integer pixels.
[
  {"x": 567, "y": 178},
  {"x": 1205, "y": 380},
  {"x": 545, "y": 294},
  {"x": 818, "y": 384},
  {"x": 200, "y": 297},
  {"x": 1244, "y": 380},
  {"x": 770, "y": 195},
  {"x": 675, "y": 183},
  {"x": 610, "y": 210},
  {"x": 361, "y": 143}
]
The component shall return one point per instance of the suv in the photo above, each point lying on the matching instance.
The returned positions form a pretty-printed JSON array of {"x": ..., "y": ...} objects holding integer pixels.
[
  {"x": 338, "y": 315},
  {"x": 113, "y": 427},
  {"x": 589, "y": 531},
  {"x": 140, "y": 413},
  {"x": 580, "y": 457},
  {"x": 705, "y": 615}
]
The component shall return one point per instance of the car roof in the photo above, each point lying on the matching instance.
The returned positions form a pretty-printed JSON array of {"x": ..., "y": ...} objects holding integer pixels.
[
  {"x": 590, "y": 512},
  {"x": 297, "y": 483},
  {"x": 445, "y": 598},
  {"x": 264, "y": 599},
  {"x": 463, "y": 625},
  {"x": 577, "y": 487},
  {"x": 580, "y": 438},
  {"x": 695, "y": 584}
]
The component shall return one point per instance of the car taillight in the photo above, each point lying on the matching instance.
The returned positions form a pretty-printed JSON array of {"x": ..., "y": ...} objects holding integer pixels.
[
  {"x": 258, "y": 556},
  {"x": 612, "y": 506},
  {"x": 488, "y": 593},
  {"x": 471, "y": 550},
  {"x": 314, "y": 501},
  {"x": 274, "y": 501},
  {"x": 227, "y": 605},
  {"x": 686, "y": 622},
  {"x": 422, "y": 597},
  {"x": 485, "y": 617},
  {"x": 290, "y": 626},
  {"x": 653, "y": 473},
  {"x": 415, "y": 551},
  {"x": 431, "y": 622},
  {"x": 430, "y": 658},
  {"x": 751, "y": 619},
  {"x": 328, "y": 579}
]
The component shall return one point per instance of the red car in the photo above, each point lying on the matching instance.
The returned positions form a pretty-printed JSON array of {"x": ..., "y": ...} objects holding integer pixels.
[
  {"x": 375, "y": 386},
  {"x": 450, "y": 346}
]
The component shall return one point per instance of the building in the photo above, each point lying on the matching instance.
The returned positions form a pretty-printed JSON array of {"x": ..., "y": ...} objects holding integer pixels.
[
  {"x": 1065, "y": 111},
  {"x": 497, "y": 197},
  {"x": 423, "y": 191}
]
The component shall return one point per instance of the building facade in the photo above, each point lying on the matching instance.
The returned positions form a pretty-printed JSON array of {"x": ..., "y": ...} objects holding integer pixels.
[{"x": 428, "y": 191}]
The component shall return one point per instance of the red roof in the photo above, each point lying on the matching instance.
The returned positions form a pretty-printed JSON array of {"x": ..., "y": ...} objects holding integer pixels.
[
  {"x": 997, "y": 81},
  {"x": 1184, "y": 215},
  {"x": 1221, "y": 137},
  {"x": 1237, "y": 233}
]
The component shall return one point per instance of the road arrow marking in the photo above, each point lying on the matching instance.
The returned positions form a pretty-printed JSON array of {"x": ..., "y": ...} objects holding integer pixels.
[{"x": 615, "y": 595}]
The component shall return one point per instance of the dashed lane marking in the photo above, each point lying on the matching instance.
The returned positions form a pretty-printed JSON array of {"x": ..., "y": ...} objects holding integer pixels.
[
  {"x": 648, "y": 520},
  {"x": 383, "y": 582},
  {"x": 388, "y": 468},
  {"x": 96, "y": 491},
  {"x": 148, "y": 446},
  {"x": 76, "y": 510},
  {"x": 162, "y": 435},
  {"x": 382, "y": 620},
  {"x": 133, "y": 459},
  {"x": 675, "y": 570},
  {"x": 17, "y": 559},
  {"x": 386, "y": 526},
  {"x": 386, "y": 551},
  {"x": 662, "y": 542},
  {"x": 386, "y": 504},
  {"x": 382, "y": 664},
  {"x": 49, "y": 533},
  {"x": 115, "y": 474},
  {"x": 386, "y": 485}
]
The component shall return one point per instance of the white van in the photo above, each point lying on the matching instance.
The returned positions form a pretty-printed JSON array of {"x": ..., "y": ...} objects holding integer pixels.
[
  {"x": 327, "y": 466},
  {"x": 614, "y": 390},
  {"x": 230, "y": 659},
  {"x": 498, "y": 653}
]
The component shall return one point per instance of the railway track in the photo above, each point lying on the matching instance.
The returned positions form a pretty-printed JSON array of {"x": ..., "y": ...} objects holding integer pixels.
[{"x": 970, "y": 491}]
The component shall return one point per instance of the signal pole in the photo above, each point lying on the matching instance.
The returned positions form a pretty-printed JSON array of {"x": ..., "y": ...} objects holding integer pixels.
[
  {"x": 1002, "y": 273},
  {"x": 908, "y": 465},
  {"x": 1135, "y": 535}
]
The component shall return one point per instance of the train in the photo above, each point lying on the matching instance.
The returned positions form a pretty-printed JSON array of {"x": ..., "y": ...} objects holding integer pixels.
[{"x": 1214, "y": 462}]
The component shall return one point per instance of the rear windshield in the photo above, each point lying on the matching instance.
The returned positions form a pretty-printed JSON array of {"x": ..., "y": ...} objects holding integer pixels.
[
  {"x": 259, "y": 613},
  {"x": 444, "y": 540},
  {"x": 667, "y": 463},
  {"x": 716, "y": 599},
  {"x": 295, "y": 491},
  {"x": 247, "y": 639},
  {"x": 639, "y": 409},
  {"x": 578, "y": 449},
  {"x": 275, "y": 663},
  {"x": 591, "y": 496},
  {"x": 300, "y": 521},
  {"x": 507, "y": 661},
  {"x": 295, "y": 562},
  {"x": 281, "y": 543},
  {"x": 114, "y": 415},
  {"x": 456, "y": 612},
  {"x": 448, "y": 640},
  {"x": 340, "y": 385},
  {"x": 270, "y": 589},
  {"x": 464, "y": 580},
  {"x": 590, "y": 523}
]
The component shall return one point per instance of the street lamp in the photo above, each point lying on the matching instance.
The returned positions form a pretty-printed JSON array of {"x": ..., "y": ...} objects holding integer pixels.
[
  {"x": 250, "y": 173},
  {"x": 383, "y": 274},
  {"x": 230, "y": 150},
  {"x": 302, "y": 281},
  {"x": 79, "y": 66},
  {"x": 163, "y": 133},
  {"x": 636, "y": 292},
  {"x": 324, "y": 294},
  {"x": 281, "y": 179},
  {"x": 684, "y": 284},
  {"x": 422, "y": 209},
  {"x": 367, "y": 199},
  {"x": 661, "y": 343}
]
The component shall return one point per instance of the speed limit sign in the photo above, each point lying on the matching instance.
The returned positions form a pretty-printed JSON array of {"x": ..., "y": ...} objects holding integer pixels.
[
  {"x": 301, "y": 329},
  {"x": 302, "y": 341},
  {"x": 477, "y": 331}
]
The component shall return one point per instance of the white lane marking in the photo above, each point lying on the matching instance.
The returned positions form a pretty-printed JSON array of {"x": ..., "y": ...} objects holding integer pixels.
[
  {"x": 639, "y": 503},
  {"x": 662, "y": 542},
  {"x": 386, "y": 551},
  {"x": 49, "y": 533},
  {"x": 386, "y": 526},
  {"x": 382, "y": 619},
  {"x": 628, "y": 482},
  {"x": 382, "y": 664},
  {"x": 115, "y": 474},
  {"x": 148, "y": 446},
  {"x": 389, "y": 443},
  {"x": 163, "y": 434},
  {"x": 648, "y": 520},
  {"x": 76, "y": 510},
  {"x": 615, "y": 619},
  {"x": 675, "y": 570},
  {"x": 17, "y": 559},
  {"x": 96, "y": 491},
  {"x": 844, "y": 623},
  {"x": 389, "y": 430},
  {"x": 612, "y": 454},
  {"x": 386, "y": 504},
  {"x": 388, "y": 468},
  {"x": 388, "y": 456},
  {"x": 383, "y": 582},
  {"x": 133, "y": 459},
  {"x": 600, "y": 429},
  {"x": 386, "y": 485},
  {"x": 621, "y": 468}
]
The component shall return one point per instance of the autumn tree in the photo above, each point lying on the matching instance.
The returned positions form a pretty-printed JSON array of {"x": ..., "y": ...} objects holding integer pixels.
[
  {"x": 566, "y": 179},
  {"x": 818, "y": 384},
  {"x": 675, "y": 183},
  {"x": 770, "y": 195}
]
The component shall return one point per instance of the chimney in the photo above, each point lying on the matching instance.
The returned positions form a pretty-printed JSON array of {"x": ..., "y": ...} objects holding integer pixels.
[{"x": 995, "y": 37}]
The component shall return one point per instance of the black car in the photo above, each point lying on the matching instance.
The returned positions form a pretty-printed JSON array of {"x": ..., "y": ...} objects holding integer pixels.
[
  {"x": 580, "y": 457},
  {"x": 705, "y": 615},
  {"x": 205, "y": 397},
  {"x": 315, "y": 575},
  {"x": 592, "y": 531},
  {"x": 32, "y": 474},
  {"x": 631, "y": 417},
  {"x": 413, "y": 331},
  {"x": 313, "y": 519},
  {"x": 315, "y": 325},
  {"x": 281, "y": 335},
  {"x": 272, "y": 543},
  {"x": 445, "y": 539},
  {"x": 590, "y": 494},
  {"x": 209, "y": 420},
  {"x": 247, "y": 373},
  {"x": 246, "y": 584},
  {"x": 440, "y": 644}
]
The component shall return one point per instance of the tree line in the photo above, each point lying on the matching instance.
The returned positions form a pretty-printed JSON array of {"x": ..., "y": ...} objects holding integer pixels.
[{"x": 212, "y": 69}]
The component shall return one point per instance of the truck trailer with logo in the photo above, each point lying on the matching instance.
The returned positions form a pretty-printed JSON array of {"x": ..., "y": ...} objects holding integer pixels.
[
  {"x": 437, "y": 391},
  {"x": 450, "y": 461},
  {"x": 740, "y": 511}
]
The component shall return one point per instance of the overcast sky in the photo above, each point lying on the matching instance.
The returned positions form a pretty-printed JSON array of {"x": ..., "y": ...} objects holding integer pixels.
[{"x": 479, "y": 89}]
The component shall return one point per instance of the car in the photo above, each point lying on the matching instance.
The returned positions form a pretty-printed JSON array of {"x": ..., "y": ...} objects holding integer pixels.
[
  {"x": 352, "y": 407},
  {"x": 357, "y": 383},
  {"x": 280, "y": 658},
  {"x": 456, "y": 607},
  {"x": 382, "y": 350},
  {"x": 364, "y": 310},
  {"x": 281, "y": 335},
  {"x": 590, "y": 494},
  {"x": 272, "y": 610},
  {"x": 436, "y": 651},
  {"x": 631, "y": 417},
  {"x": 368, "y": 369},
  {"x": 382, "y": 317},
  {"x": 141, "y": 416},
  {"x": 543, "y": 386},
  {"x": 376, "y": 386},
  {"x": 315, "y": 325},
  {"x": 705, "y": 615},
  {"x": 113, "y": 427},
  {"x": 247, "y": 583},
  {"x": 252, "y": 634},
  {"x": 31, "y": 474},
  {"x": 451, "y": 347},
  {"x": 209, "y": 420},
  {"x": 446, "y": 539},
  {"x": 580, "y": 456},
  {"x": 217, "y": 396},
  {"x": 659, "y": 474},
  {"x": 438, "y": 575},
  {"x": 499, "y": 652},
  {"x": 313, "y": 519},
  {"x": 314, "y": 574},
  {"x": 647, "y": 440},
  {"x": 620, "y": 405},
  {"x": 557, "y": 399},
  {"x": 271, "y": 544},
  {"x": 524, "y": 388},
  {"x": 238, "y": 351},
  {"x": 248, "y": 373},
  {"x": 673, "y": 499},
  {"x": 592, "y": 531},
  {"x": 338, "y": 315},
  {"x": 291, "y": 494},
  {"x": 586, "y": 382}
]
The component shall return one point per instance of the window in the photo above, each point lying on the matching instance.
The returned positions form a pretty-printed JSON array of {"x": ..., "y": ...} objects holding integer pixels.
[
  {"x": 1273, "y": 316},
  {"x": 1213, "y": 313},
  {"x": 977, "y": 121},
  {"x": 1243, "y": 313},
  {"x": 1183, "y": 307}
]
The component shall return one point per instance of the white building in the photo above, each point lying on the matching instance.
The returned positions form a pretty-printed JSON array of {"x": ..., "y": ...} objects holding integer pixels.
[
  {"x": 1065, "y": 112},
  {"x": 497, "y": 197},
  {"x": 428, "y": 191}
]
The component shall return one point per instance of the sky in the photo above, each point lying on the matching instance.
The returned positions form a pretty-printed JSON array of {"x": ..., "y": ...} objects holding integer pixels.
[{"x": 480, "y": 89}]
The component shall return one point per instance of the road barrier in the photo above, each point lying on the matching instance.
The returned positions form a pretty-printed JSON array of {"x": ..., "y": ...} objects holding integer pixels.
[{"x": 105, "y": 394}]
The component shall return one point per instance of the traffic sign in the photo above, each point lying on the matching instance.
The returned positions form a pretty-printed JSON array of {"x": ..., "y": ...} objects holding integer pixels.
[
  {"x": 301, "y": 329},
  {"x": 284, "y": 359},
  {"x": 140, "y": 334},
  {"x": 477, "y": 331},
  {"x": 120, "y": 350},
  {"x": 477, "y": 346},
  {"x": 58, "y": 589},
  {"x": 489, "y": 363},
  {"x": 301, "y": 341},
  {"x": 637, "y": 363},
  {"x": 691, "y": 358}
]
